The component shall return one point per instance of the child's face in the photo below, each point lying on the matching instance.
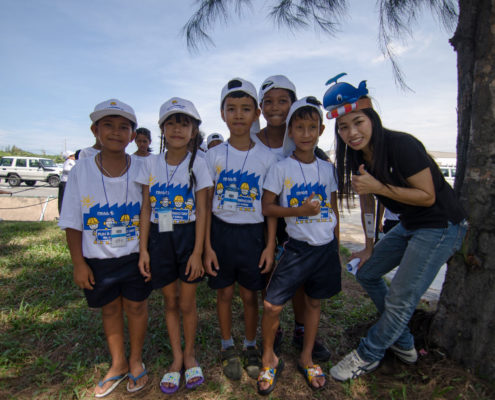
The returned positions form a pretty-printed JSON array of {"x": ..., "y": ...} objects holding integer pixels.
[
  {"x": 178, "y": 131},
  {"x": 355, "y": 129},
  {"x": 239, "y": 114},
  {"x": 306, "y": 131},
  {"x": 142, "y": 143},
  {"x": 214, "y": 143},
  {"x": 113, "y": 132},
  {"x": 275, "y": 107}
]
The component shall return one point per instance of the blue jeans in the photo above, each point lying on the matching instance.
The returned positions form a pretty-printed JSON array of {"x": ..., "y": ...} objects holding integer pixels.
[{"x": 419, "y": 253}]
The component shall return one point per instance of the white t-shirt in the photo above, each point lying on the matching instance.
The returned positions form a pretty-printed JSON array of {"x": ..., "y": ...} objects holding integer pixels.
[
  {"x": 68, "y": 164},
  {"x": 277, "y": 152},
  {"x": 173, "y": 192},
  {"x": 86, "y": 208},
  {"x": 238, "y": 177},
  {"x": 140, "y": 158},
  {"x": 88, "y": 152},
  {"x": 293, "y": 182}
]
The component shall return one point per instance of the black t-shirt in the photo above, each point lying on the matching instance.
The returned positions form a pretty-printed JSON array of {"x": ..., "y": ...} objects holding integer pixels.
[{"x": 408, "y": 155}]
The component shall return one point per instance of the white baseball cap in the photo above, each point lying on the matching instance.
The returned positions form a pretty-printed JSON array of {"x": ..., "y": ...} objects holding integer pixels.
[
  {"x": 176, "y": 105},
  {"x": 212, "y": 137},
  {"x": 276, "y": 82},
  {"x": 67, "y": 153},
  {"x": 309, "y": 101},
  {"x": 238, "y": 85},
  {"x": 113, "y": 107}
]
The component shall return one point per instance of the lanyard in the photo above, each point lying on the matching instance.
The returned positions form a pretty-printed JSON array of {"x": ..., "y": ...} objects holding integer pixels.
[
  {"x": 243, "y": 164},
  {"x": 304, "y": 177},
  {"x": 175, "y": 170},
  {"x": 127, "y": 182}
]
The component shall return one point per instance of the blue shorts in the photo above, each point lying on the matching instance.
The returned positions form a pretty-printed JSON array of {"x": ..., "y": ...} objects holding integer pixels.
[
  {"x": 316, "y": 267},
  {"x": 169, "y": 253},
  {"x": 116, "y": 277},
  {"x": 238, "y": 248}
]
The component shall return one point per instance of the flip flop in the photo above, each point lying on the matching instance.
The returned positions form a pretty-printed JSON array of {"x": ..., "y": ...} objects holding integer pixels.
[
  {"x": 117, "y": 379},
  {"x": 310, "y": 372},
  {"x": 174, "y": 379},
  {"x": 135, "y": 379},
  {"x": 270, "y": 375},
  {"x": 191, "y": 373}
]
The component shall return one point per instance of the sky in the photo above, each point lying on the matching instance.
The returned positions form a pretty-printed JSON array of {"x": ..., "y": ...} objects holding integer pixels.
[{"x": 62, "y": 57}]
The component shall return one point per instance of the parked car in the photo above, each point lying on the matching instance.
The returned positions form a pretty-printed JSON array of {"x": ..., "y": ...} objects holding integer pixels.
[
  {"x": 449, "y": 174},
  {"x": 16, "y": 169}
]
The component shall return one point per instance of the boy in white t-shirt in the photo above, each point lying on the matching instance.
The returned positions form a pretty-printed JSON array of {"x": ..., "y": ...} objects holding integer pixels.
[
  {"x": 100, "y": 215},
  {"x": 235, "y": 248},
  {"x": 306, "y": 189}
]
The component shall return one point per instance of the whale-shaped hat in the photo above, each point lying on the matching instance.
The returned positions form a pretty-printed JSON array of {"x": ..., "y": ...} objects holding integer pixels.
[{"x": 342, "y": 97}]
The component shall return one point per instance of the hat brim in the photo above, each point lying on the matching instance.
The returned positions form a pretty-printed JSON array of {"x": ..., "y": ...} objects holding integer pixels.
[
  {"x": 178, "y": 111},
  {"x": 97, "y": 115}
]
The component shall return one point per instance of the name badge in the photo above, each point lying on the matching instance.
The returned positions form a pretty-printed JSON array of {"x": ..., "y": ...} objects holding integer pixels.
[
  {"x": 165, "y": 221},
  {"x": 230, "y": 199},
  {"x": 118, "y": 236},
  {"x": 317, "y": 216}
]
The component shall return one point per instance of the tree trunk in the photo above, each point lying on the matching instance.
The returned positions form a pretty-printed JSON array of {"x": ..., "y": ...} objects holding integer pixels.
[{"x": 464, "y": 323}]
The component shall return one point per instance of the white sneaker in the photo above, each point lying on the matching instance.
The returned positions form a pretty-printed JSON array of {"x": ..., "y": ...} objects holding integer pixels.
[
  {"x": 351, "y": 366},
  {"x": 406, "y": 356}
]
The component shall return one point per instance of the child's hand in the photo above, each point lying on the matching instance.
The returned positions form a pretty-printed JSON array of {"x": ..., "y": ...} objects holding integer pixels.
[
  {"x": 310, "y": 206},
  {"x": 266, "y": 260},
  {"x": 210, "y": 261},
  {"x": 144, "y": 265},
  {"x": 194, "y": 267},
  {"x": 83, "y": 276}
]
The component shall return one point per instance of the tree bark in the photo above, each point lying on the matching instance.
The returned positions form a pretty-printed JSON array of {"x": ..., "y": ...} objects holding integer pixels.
[{"x": 464, "y": 323}]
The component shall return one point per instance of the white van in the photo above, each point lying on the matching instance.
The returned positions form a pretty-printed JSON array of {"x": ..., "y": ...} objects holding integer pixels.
[
  {"x": 449, "y": 174},
  {"x": 18, "y": 169}
]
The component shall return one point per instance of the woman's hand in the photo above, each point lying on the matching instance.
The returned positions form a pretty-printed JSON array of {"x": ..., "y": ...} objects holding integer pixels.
[
  {"x": 363, "y": 255},
  {"x": 365, "y": 183}
]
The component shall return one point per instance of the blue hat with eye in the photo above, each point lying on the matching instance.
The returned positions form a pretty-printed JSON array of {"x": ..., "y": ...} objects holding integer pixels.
[{"x": 342, "y": 97}]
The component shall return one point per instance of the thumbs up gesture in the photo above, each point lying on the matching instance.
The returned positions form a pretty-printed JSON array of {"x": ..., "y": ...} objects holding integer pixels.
[{"x": 365, "y": 183}]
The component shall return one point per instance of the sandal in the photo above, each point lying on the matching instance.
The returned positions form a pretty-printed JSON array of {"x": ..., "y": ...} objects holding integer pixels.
[
  {"x": 191, "y": 373},
  {"x": 135, "y": 379},
  {"x": 232, "y": 368},
  {"x": 270, "y": 375},
  {"x": 251, "y": 361},
  {"x": 117, "y": 379},
  {"x": 311, "y": 372},
  {"x": 172, "y": 378}
]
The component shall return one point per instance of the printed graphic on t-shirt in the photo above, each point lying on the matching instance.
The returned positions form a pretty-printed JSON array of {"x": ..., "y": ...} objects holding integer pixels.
[
  {"x": 100, "y": 219},
  {"x": 178, "y": 198},
  {"x": 297, "y": 195},
  {"x": 236, "y": 191}
]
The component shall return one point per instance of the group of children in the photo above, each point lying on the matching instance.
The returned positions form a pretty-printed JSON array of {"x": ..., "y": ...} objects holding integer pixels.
[{"x": 166, "y": 221}]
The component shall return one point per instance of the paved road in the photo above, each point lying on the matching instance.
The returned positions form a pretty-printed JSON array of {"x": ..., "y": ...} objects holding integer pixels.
[{"x": 41, "y": 189}]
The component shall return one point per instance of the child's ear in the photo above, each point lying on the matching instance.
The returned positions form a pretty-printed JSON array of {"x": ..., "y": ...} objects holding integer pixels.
[
  {"x": 133, "y": 135},
  {"x": 222, "y": 114},
  {"x": 322, "y": 128},
  {"x": 258, "y": 112},
  {"x": 94, "y": 129}
]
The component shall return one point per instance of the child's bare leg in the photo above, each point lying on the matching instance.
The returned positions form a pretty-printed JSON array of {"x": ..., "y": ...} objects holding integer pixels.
[
  {"x": 187, "y": 304},
  {"x": 172, "y": 317},
  {"x": 250, "y": 303},
  {"x": 113, "y": 326},
  {"x": 224, "y": 311},
  {"x": 311, "y": 321},
  {"x": 137, "y": 321},
  {"x": 269, "y": 325},
  {"x": 298, "y": 304}
]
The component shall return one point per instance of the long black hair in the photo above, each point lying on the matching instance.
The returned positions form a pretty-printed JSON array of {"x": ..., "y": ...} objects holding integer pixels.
[
  {"x": 348, "y": 160},
  {"x": 195, "y": 142}
]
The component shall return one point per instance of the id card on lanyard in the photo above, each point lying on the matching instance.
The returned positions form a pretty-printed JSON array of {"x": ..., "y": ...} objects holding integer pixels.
[
  {"x": 165, "y": 220},
  {"x": 118, "y": 236},
  {"x": 231, "y": 193}
]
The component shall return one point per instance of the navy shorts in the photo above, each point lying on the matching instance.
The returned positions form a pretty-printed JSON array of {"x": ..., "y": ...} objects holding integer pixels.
[
  {"x": 238, "y": 248},
  {"x": 169, "y": 253},
  {"x": 116, "y": 277},
  {"x": 317, "y": 268}
]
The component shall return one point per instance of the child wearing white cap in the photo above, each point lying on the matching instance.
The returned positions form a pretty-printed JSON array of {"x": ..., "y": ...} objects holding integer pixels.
[
  {"x": 213, "y": 140},
  {"x": 173, "y": 217},
  {"x": 276, "y": 95},
  {"x": 302, "y": 189},
  {"x": 70, "y": 161},
  {"x": 235, "y": 249},
  {"x": 100, "y": 215}
]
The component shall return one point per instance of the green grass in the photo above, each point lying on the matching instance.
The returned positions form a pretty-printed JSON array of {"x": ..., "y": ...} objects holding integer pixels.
[{"x": 52, "y": 345}]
